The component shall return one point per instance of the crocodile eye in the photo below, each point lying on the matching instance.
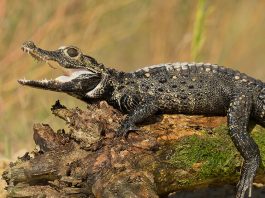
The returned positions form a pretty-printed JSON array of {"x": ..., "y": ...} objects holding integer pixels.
[{"x": 72, "y": 52}]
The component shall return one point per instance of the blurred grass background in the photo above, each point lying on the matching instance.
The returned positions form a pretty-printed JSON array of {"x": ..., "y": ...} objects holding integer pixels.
[{"x": 124, "y": 34}]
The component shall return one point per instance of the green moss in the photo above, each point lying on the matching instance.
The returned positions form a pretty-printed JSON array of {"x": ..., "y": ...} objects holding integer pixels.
[
  {"x": 258, "y": 134},
  {"x": 214, "y": 154}
]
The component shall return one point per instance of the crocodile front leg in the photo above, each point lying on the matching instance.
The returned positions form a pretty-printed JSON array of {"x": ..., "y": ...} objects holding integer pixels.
[
  {"x": 238, "y": 118},
  {"x": 137, "y": 115}
]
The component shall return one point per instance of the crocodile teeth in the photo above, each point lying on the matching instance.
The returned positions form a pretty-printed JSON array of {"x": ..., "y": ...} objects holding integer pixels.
[
  {"x": 44, "y": 81},
  {"x": 33, "y": 54}
]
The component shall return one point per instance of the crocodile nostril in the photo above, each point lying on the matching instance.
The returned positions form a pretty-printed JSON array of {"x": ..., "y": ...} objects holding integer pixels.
[{"x": 28, "y": 44}]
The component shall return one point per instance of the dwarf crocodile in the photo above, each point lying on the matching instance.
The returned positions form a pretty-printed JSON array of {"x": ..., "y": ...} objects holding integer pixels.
[{"x": 187, "y": 88}]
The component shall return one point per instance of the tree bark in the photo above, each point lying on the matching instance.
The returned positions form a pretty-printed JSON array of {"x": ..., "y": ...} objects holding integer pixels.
[{"x": 169, "y": 153}]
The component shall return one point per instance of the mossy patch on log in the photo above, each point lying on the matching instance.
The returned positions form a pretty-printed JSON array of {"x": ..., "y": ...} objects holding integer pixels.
[
  {"x": 258, "y": 134},
  {"x": 212, "y": 154}
]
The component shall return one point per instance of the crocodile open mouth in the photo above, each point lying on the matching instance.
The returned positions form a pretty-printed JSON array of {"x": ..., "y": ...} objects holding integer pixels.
[{"x": 68, "y": 74}]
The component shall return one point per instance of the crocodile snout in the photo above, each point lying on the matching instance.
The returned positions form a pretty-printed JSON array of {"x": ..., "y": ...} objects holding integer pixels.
[{"x": 28, "y": 45}]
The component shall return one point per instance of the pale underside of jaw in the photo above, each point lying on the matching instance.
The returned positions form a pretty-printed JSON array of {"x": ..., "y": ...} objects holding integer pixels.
[{"x": 73, "y": 75}]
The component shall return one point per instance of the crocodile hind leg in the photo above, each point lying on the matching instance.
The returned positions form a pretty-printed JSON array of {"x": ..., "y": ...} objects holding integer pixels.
[{"x": 238, "y": 117}]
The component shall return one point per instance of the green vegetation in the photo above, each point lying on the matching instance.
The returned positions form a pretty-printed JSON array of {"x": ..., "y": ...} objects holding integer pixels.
[
  {"x": 211, "y": 154},
  {"x": 198, "y": 30},
  {"x": 259, "y": 137}
]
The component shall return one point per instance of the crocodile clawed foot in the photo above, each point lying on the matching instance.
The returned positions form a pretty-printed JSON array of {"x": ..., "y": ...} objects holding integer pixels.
[
  {"x": 246, "y": 181},
  {"x": 125, "y": 129},
  {"x": 244, "y": 185}
]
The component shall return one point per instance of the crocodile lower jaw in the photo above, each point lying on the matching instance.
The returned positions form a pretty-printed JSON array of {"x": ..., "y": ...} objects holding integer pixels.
[
  {"x": 75, "y": 73},
  {"x": 31, "y": 82}
]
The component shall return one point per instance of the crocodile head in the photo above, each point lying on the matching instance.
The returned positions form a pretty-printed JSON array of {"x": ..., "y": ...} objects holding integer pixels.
[{"x": 82, "y": 75}]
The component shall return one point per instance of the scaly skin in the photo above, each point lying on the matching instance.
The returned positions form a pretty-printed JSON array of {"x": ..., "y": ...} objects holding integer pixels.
[{"x": 193, "y": 89}]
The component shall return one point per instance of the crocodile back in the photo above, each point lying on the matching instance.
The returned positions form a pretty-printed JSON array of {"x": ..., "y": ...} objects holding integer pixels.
[{"x": 192, "y": 88}]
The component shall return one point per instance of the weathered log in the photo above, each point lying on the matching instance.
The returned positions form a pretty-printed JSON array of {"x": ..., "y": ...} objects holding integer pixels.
[{"x": 169, "y": 153}]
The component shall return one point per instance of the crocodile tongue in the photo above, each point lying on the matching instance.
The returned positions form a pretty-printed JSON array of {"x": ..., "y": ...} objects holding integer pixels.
[{"x": 74, "y": 73}]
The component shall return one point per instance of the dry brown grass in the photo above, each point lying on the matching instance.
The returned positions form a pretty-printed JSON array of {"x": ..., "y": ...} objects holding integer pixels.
[{"x": 125, "y": 34}]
